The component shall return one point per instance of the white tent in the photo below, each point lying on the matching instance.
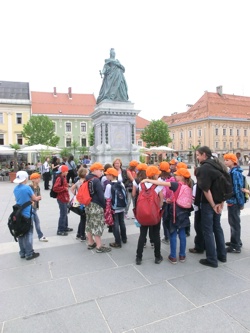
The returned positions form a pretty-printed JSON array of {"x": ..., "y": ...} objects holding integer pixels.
[
  {"x": 160, "y": 149},
  {"x": 38, "y": 148},
  {"x": 6, "y": 150}
]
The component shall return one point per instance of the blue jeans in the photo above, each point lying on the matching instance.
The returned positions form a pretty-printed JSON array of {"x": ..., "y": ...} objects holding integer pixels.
[
  {"x": 119, "y": 228},
  {"x": 173, "y": 242},
  {"x": 234, "y": 222},
  {"x": 63, "y": 218},
  {"x": 26, "y": 244},
  {"x": 36, "y": 222},
  {"x": 213, "y": 234}
]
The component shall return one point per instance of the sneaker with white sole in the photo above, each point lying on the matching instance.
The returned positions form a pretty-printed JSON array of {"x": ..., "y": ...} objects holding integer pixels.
[
  {"x": 127, "y": 217},
  {"x": 43, "y": 239},
  {"x": 103, "y": 249}
]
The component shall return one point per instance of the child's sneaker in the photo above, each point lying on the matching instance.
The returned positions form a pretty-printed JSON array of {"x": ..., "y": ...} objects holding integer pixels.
[
  {"x": 43, "y": 239},
  {"x": 182, "y": 258},
  {"x": 172, "y": 260},
  {"x": 83, "y": 238},
  {"x": 158, "y": 260},
  {"x": 92, "y": 246}
]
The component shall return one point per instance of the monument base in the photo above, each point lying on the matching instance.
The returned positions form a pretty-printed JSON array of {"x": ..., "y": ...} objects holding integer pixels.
[{"x": 114, "y": 132}]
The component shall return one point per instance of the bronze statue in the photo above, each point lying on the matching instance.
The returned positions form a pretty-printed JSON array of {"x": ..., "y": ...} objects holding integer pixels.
[{"x": 114, "y": 86}]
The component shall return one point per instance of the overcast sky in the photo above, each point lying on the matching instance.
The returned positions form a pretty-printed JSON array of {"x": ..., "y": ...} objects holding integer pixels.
[{"x": 172, "y": 51}]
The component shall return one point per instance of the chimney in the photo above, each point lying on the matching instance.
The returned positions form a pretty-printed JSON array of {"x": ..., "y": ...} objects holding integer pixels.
[
  {"x": 54, "y": 93},
  {"x": 219, "y": 90},
  {"x": 70, "y": 93}
]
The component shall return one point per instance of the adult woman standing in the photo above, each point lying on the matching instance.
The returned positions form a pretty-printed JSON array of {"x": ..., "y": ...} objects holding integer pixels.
[
  {"x": 46, "y": 174},
  {"x": 54, "y": 167},
  {"x": 72, "y": 169}
]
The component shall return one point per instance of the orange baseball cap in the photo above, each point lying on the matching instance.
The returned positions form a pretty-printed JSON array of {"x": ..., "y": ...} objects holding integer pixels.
[
  {"x": 152, "y": 171},
  {"x": 35, "y": 175},
  {"x": 173, "y": 161},
  {"x": 183, "y": 172},
  {"x": 181, "y": 165},
  {"x": 96, "y": 166},
  {"x": 133, "y": 163},
  {"x": 164, "y": 166},
  {"x": 64, "y": 168},
  {"x": 111, "y": 171},
  {"x": 141, "y": 166},
  {"x": 231, "y": 157}
]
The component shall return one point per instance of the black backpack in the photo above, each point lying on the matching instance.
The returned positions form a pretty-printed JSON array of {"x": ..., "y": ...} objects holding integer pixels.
[
  {"x": 18, "y": 224},
  {"x": 53, "y": 194},
  {"x": 222, "y": 187},
  {"x": 118, "y": 196}
]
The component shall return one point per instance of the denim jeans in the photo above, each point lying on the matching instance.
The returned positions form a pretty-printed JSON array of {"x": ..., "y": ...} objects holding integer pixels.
[
  {"x": 63, "y": 218},
  {"x": 234, "y": 222},
  {"x": 26, "y": 244},
  {"x": 213, "y": 234},
  {"x": 119, "y": 228},
  {"x": 36, "y": 222},
  {"x": 156, "y": 239},
  {"x": 173, "y": 242}
]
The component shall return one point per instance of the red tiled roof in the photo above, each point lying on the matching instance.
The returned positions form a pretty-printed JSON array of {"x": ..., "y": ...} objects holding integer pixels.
[
  {"x": 141, "y": 122},
  {"x": 213, "y": 105},
  {"x": 47, "y": 103}
]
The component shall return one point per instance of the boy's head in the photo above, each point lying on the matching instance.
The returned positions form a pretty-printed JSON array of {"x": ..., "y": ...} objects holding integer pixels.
[
  {"x": 230, "y": 160},
  {"x": 181, "y": 165},
  {"x": 21, "y": 177},
  {"x": 173, "y": 164},
  {"x": 152, "y": 172},
  {"x": 111, "y": 173},
  {"x": 64, "y": 170},
  {"x": 97, "y": 169},
  {"x": 164, "y": 166},
  {"x": 183, "y": 172},
  {"x": 35, "y": 177},
  {"x": 142, "y": 166}
]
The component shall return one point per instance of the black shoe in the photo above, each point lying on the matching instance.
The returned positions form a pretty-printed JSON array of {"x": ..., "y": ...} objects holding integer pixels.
[
  {"x": 230, "y": 249},
  {"x": 194, "y": 250},
  {"x": 124, "y": 241},
  {"x": 33, "y": 256},
  {"x": 62, "y": 233},
  {"x": 138, "y": 261},
  {"x": 222, "y": 259},
  {"x": 158, "y": 260},
  {"x": 207, "y": 263},
  {"x": 69, "y": 229},
  {"x": 228, "y": 243}
]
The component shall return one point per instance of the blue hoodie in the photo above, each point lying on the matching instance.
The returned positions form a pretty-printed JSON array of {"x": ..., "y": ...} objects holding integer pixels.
[{"x": 238, "y": 183}]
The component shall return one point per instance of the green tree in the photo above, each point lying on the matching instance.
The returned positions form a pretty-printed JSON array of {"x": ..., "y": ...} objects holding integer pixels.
[
  {"x": 15, "y": 146},
  {"x": 194, "y": 148},
  {"x": 156, "y": 134},
  {"x": 92, "y": 137},
  {"x": 40, "y": 129},
  {"x": 74, "y": 147},
  {"x": 65, "y": 152}
]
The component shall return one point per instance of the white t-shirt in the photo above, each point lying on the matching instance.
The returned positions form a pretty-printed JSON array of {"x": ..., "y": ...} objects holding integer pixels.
[{"x": 158, "y": 188}]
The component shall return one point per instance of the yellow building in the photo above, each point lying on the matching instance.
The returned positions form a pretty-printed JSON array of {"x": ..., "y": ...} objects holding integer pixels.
[
  {"x": 216, "y": 120},
  {"x": 15, "y": 110}
]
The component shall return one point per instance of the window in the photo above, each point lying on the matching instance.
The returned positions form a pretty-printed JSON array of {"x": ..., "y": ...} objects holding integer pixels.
[
  {"x": 67, "y": 127},
  {"x": 173, "y": 135},
  {"x": 231, "y": 131},
  {"x": 190, "y": 134},
  {"x": 68, "y": 142},
  {"x": 83, "y": 127},
  {"x": 245, "y": 132},
  {"x": 181, "y": 135},
  {"x": 216, "y": 131},
  {"x": 224, "y": 131},
  {"x": 181, "y": 146},
  {"x": 84, "y": 142},
  {"x": 19, "y": 118},
  {"x": 199, "y": 132},
  {"x": 224, "y": 145},
  {"x": 238, "y": 132},
  {"x": 231, "y": 145},
  {"x": 216, "y": 145},
  {"x": 1, "y": 139},
  {"x": 19, "y": 139},
  {"x": 238, "y": 144},
  {"x": 139, "y": 143},
  {"x": 1, "y": 118}
]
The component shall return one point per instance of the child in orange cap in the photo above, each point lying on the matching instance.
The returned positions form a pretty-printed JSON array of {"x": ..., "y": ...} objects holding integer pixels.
[
  {"x": 131, "y": 175},
  {"x": 152, "y": 172},
  {"x": 179, "y": 215},
  {"x": 235, "y": 204},
  {"x": 35, "y": 178}
]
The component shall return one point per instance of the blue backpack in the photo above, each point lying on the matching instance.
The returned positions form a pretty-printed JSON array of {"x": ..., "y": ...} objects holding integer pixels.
[{"x": 118, "y": 196}]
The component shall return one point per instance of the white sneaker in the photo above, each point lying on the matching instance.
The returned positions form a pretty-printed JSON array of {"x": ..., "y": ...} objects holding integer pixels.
[
  {"x": 43, "y": 239},
  {"x": 127, "y": 217}
]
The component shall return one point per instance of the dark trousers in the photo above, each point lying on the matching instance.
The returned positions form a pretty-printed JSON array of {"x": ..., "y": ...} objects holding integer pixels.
[
  {"x": 46, "y": 177},
  {"x": 156, "y": 239},
  {"x": 82, "y": 226},
  {"x": 234, "y": 222},
  {"x": 199, "y": 243},
  {"x": 165, "y": 220},
  {"x": 119, "y": 228}
]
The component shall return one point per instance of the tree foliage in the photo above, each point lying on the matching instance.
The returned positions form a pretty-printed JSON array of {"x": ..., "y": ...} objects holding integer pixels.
[
  {"x": 15, "y": 146},
  {"x": 40, "y": 129},
  {"x": 156, "y": 134},
  {"x": 92, "y": 137}
]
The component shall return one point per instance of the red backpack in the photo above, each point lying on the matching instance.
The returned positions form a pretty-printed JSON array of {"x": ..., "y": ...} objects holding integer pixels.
[
  {"x": 83, "y": 195},
  {"x": 148, "y": 210}
]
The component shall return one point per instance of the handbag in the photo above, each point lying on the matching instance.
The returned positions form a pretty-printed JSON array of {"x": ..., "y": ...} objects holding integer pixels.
[
  {"x": 75, "y": 206},
  {"x": 109, "y": 213}
]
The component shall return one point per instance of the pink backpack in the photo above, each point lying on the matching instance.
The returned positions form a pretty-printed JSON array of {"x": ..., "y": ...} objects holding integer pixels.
[{"x": 183, "y": 196}]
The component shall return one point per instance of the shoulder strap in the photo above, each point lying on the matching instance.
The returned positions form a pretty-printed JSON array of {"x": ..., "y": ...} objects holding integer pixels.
[
  {"x": 143, "y": 187},
  {"x": 26, "y": 204}
]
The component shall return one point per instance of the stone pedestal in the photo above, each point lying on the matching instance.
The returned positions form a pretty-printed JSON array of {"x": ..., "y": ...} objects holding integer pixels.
[{"x": 115, "y": 132}]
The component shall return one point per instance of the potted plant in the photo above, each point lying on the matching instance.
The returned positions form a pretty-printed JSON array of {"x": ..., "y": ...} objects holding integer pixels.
[{"x": 12, "y": 174}]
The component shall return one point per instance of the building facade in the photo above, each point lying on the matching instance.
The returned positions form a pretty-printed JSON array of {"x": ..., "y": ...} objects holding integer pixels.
[{"x": 217, "y": 120}]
